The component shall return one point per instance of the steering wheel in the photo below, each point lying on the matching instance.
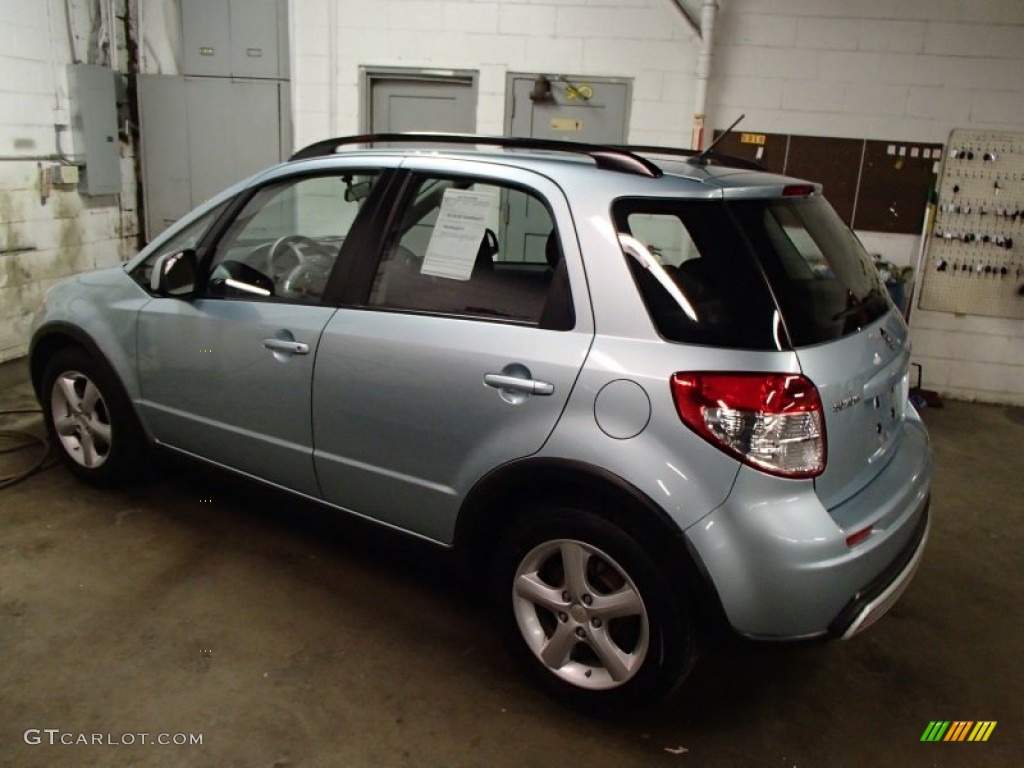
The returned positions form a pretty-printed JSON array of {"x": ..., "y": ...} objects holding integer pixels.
[
  {"x": 308, "y": 280},
  {"x": 286, "y": 254}
]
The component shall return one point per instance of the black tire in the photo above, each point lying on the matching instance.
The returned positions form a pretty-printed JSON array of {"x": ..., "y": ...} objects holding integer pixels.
[
  {"x": 652, "y": 649},
  {"x": 91, "y": 424}
]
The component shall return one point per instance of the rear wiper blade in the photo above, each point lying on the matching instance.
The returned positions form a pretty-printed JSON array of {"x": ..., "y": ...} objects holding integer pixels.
[{"x": 858, "y": 304}]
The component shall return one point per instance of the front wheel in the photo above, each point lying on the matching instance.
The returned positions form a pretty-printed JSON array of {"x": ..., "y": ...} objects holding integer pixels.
[
  {"x": 589, "y": 613},
  {"x": 89, "y": 420}
]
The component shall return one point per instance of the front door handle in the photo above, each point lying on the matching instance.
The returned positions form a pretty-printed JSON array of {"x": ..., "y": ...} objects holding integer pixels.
[
  {"x": 515, "y": 384},
  {"x": 282, "y": 345}
]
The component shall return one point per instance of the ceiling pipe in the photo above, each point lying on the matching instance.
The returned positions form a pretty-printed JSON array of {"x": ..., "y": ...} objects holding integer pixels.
[
  {"x": 688, "y": 17},
  {"x": 708, "y": 13},
  {"x": 705, "y": 31}
]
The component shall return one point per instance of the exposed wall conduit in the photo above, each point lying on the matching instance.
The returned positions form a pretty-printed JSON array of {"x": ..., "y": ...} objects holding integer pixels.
[
  {"x": 332, "y": 69},
  {"x": 708, "y": 13},
  {"x": 706, "y": 33}
]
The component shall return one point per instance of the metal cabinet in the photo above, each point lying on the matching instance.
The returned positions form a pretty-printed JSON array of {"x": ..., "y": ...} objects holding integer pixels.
[
  {"x": 202, "y": 134},
  {"x": 235, "y": 38}
]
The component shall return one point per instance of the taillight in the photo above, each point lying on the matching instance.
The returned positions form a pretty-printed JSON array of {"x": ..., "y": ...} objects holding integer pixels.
[
  {"x": 771, "y": 421},
  {"x": 798, "y": 190}
]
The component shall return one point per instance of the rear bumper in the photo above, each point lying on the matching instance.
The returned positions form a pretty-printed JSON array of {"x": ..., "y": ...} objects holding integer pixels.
[
  {"x": 871, "y": 603},
  {"x": 779, "y": 562}
]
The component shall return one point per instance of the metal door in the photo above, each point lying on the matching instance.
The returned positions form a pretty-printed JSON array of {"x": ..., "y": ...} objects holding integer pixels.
[
  {"x": 411, "y": 408},
  {"x": 228, "y": 377},
  {"x": 568, "y": 109},
  {"x": 203, "y": 134},
  {"x": 406, "y": 422},
  {"x": 234, "y": 131},
  {"x": 411, "y": 103},
  {"x": 575, "y": 109},
  {"x": 230, "y": 381}
]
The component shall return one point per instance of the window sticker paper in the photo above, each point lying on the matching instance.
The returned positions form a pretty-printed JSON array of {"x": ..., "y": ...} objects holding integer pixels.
[{"x": 456, "y": 238}]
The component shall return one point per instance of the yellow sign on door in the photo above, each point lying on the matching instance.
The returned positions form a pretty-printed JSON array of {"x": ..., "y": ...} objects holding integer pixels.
[{"x": 566, "y": 124}]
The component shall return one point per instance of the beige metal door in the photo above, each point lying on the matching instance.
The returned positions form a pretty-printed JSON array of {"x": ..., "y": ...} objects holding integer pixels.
[{"x": 572, "y": 108}]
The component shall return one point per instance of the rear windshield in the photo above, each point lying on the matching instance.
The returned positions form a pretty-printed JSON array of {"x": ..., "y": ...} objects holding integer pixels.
[{"x": 713, "y": 263}]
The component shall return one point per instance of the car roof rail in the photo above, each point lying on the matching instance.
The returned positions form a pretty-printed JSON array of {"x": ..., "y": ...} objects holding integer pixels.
[
  {"x": 609, "y": 158},
  {"x": 696, "y": 156}
]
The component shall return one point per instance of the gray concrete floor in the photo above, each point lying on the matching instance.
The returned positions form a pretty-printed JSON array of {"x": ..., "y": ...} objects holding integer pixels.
[{"x": 200, "y": 604}]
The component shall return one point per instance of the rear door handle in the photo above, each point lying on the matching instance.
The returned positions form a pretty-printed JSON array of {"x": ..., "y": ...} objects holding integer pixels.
[
  {"x": 281, "y": 345},
  {"x": 515, "y": 384}
]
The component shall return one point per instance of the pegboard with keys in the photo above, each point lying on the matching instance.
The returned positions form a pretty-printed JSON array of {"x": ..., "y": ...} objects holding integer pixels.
[{"x": 975, "y": 254}]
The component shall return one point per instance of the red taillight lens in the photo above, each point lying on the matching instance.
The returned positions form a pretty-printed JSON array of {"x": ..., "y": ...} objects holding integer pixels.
[
  {"x": 771, "y": 421},
  {"x": 798, "y": 190}
]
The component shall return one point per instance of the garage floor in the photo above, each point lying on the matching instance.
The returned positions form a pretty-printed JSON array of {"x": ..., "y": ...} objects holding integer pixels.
[{"x": 198, "y": 604}]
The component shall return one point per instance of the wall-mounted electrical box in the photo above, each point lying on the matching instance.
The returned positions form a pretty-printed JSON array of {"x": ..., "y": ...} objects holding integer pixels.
[
  {"x": 63, "y": 175},
  {"x": 94, "y": 127}
]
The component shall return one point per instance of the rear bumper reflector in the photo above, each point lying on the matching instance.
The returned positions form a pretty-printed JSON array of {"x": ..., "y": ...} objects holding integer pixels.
[{"x": 871, "y": 603}]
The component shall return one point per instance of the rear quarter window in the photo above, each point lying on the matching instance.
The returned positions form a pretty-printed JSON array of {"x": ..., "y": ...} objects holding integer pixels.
[
  {"x": 751, "y": 274},
  {"x": 705, "y": 286}
]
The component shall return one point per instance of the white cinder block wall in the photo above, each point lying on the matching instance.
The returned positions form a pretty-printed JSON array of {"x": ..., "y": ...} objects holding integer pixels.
[
  {"x": 41, "y": 241},
  {"x": 911, "y": 70},
  {"x": 642, "y": 39}
]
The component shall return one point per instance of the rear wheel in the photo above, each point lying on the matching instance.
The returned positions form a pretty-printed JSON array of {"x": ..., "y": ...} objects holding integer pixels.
[
  {"x": 590, "y": 614},
  {"x": 89, "y": 420}
]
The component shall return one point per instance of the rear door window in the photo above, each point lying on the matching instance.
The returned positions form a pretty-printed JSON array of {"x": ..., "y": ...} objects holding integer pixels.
[{"x": 452, "y": 252}]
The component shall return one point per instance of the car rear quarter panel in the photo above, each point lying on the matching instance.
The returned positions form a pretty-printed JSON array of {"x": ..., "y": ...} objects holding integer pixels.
[
  {"x": 779, "y": 560},
  {"x": 666, "y": 460}
]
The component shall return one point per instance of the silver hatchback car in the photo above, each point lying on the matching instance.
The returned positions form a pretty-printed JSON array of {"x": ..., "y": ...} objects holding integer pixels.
[{"x": 635, "y": 388}]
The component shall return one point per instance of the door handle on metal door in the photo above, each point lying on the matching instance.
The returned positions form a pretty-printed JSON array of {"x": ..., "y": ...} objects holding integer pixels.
[
  {"x": 281, "y": 345},
  {"x": 514, "y": 383}
]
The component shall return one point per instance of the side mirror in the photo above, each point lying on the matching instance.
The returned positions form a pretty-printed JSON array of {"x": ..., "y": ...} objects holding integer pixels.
[{"x": 174, "y": 274}]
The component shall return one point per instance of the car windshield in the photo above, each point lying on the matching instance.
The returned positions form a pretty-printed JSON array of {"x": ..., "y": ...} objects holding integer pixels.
[{"x": 751, "y": 274}]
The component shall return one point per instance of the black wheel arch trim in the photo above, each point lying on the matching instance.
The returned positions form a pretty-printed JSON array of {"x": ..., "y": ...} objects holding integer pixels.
[
  {"x": 540, "y": 477},
  {"x": 75, "y": 336}
]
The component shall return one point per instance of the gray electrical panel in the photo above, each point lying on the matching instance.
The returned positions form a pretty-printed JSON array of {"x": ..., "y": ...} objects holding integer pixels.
[
  {"x": 206, "y": 38},
  {"x": 94, "y": 127},
  {"x": 235, "y": 38}
]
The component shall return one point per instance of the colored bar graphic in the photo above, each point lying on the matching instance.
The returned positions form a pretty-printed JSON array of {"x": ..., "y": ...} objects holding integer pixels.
[
  {"x": 982, "y": 730},
  {"x": 958, "y": 730},
  {"x": 935, "y": 730}
]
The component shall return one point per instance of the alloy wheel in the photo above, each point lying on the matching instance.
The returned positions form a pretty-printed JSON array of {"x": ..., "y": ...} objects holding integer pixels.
[
  {"x": 581, "y": 614},
  {"x": 81, "y": 419}
]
